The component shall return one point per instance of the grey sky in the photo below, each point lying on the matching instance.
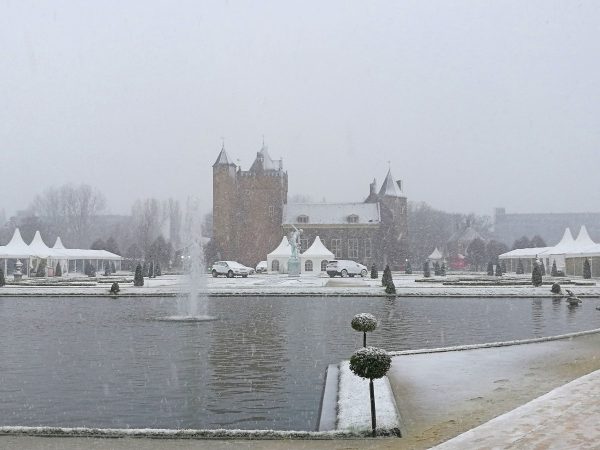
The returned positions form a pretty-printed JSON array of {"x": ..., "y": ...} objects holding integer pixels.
[{"x": 476, "y": 104}]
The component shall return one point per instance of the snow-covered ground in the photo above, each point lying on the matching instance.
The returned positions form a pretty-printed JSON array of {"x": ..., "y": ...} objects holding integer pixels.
[
  {"x": 406, "y": 285},
  {"x": 354, "y": 404}
]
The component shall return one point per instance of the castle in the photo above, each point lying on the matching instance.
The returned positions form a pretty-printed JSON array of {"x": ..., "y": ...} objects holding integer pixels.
[{"x": 251, "y": 213}]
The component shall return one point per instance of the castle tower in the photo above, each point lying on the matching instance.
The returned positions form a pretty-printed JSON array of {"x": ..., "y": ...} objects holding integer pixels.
[
  {"x": 262, "y": 194},
  {"x": 394, "y": 218},
  {"x": 224, "y": 207},
  {"x": 247, "y": 208}
]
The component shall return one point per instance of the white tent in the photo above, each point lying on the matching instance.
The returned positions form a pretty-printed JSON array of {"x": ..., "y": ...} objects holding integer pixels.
[
  {"x": 16, "y": 249},
  {"x": 315, "y": 258},
  {"x": 436, "y": 255},
  {"x": 277, "y": 260}
]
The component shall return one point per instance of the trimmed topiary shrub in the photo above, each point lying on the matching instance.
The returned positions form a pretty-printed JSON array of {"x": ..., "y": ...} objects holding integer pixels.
[
  {"x": 41, "y": 269},
  {"x": 387, "y": 275},
  {"x": 2, "y": 279},
  {"x": 587, "y": 270},
  {"x": 426, "y": 270},
  {"x": 157, "y": 270},
  {"x": 490, "y": 269},
  {"x": 58, "y": 270},
  {"x": 138, "y": 278},
  {"x": 374, "y": 273},
  {"x": 408, "y": 268},
  {"x": 503, "y": 266},
  {"x": 555, "y": 289},
  {"x": 390, "y": 289},
  {"x": 364, "y": 322},
  {"x": 536, "y": 274},
  {"x": 436, "y": 268},
  {"x": 554, "y": 270},
  {"x": 498, "y": 269},
  {"x": 443, "y": 270},
  {"x": 371, "y": 363},
  {"x": 114, "y": 288},
  {"x": 543, "y": 268}
]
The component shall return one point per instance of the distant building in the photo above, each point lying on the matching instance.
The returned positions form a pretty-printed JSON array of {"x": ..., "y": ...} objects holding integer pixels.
[
  {"x": 549, "y": 226},
  {"x": 251, "y": 214},
  {"x": 373, "y": 231}
]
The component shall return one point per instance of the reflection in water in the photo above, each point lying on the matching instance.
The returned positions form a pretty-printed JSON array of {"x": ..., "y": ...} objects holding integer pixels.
[{"x": 97, "y": 362}]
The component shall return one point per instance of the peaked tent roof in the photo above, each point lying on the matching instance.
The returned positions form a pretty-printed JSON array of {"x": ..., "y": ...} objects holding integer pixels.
[
  {"x": 435, "y": 254},
  {"x": 283, "y": 249},
  {"x": 39, "y": 248},
  {"x": 318, "y": 249},
  {"x": 389, "y": 187},
  {"x": 566, "y": 244},
  {"x": 16, "y": 248},
  {"x": 583, "y": 238},
  {"x": 58, "y": 244}
]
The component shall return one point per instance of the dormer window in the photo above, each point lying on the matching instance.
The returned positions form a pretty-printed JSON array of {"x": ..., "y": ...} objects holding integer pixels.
[
  {"x": 352, "y": 218},
  {"x": 302, "y": 219}
]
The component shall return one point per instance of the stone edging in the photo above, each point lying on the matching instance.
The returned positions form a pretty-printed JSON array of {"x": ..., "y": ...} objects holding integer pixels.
[
  {"x": 158, "y": 433},
  {"x": 494, "y": 344}
]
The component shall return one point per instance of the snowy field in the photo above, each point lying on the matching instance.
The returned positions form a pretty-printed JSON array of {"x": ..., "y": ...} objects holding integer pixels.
[{"x": 282, "y": 285}]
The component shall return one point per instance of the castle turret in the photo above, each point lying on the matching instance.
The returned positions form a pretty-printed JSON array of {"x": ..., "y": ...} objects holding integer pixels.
[
  {"x": 394, "y": 217},
  {"x": 224, "y": 207}
]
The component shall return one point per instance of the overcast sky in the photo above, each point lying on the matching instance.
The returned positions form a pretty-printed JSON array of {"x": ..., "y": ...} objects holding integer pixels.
[{"x": 476, "y": 104}]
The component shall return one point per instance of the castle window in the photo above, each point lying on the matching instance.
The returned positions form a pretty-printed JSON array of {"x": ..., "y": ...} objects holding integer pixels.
[
  {"x": 352, "y": 218},
  {"x": 302, "y": 219},
  {"x": 308, "y": 266},
  {"x": 368, "y": 248},
  {"x": 323, "y": 265},
  {"x": 271, "y": 211},
  {"x": 336, "y": 247},
  {"x": 353, "y": 248}
]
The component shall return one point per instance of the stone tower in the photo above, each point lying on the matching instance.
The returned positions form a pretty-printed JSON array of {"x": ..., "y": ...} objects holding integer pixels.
[
  {"x": 393, "y": 234},
  {"x": 248, "y": 208}
]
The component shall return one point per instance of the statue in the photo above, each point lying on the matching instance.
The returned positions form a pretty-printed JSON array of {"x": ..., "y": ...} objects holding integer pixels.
[
  {"x": 294, "y": 261},
  {"x": 295, "y": 241}
]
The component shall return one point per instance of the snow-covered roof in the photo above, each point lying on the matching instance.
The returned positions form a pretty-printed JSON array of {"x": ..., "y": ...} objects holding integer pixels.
[
  {"x": 436, "y": 254},
  {"x": 16, "y": 248},
  {"x": 58, "y": 244},
  {"x": 263, "y": 161},
  {"x": 525, "y": 253},
  {"x": 39, "y": 248},
  {"x": 331, "y": 213},
  {"x": 317, "y": 250},
  {"x": 389, "y": 187},
  {"x": 283, "y": 249}
]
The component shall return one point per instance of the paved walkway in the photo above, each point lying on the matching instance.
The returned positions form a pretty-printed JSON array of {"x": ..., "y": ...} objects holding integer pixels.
[{"x": 442, "y": 395}]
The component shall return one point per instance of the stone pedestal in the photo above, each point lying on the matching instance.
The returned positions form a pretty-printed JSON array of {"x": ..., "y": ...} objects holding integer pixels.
[{"x": 294, "y": 267}]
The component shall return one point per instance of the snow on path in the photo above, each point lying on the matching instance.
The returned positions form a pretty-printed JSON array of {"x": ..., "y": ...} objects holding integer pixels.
[{"x": 566, "y": 417}]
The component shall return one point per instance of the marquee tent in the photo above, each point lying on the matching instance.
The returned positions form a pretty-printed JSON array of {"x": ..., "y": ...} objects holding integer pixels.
[
  {"x": 314, "y": 259},
  {"x": 277, "y": 260}
]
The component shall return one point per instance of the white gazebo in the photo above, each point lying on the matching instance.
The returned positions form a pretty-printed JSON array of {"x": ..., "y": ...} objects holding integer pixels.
[
  {"x": 16, "y": 249},
  {"x": 436, "y": 256},
  {"x": 277, "y": 260},
  {"x": 314, "y": 259}
]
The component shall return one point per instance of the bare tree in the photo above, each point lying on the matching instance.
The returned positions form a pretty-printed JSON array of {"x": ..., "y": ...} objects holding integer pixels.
[
  {"x": 148, "y": 219},
  {"x": 69, "y": 211}
]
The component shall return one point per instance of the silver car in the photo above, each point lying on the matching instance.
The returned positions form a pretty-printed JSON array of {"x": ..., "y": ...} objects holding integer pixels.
[
  {"x": 345, "y": 268},
  {"x": 230, "y": 269}
]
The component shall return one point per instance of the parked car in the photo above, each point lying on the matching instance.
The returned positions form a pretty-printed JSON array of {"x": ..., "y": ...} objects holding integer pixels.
[
  {"x": 345, "y": 268},
  {"x": 230, "y": 269},
  {"x": 261, "y": 267}
]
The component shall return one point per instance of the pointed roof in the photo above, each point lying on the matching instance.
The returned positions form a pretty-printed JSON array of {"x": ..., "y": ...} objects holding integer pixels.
[
  {"x": 583, "y": 238},
  {"x": 38, "y": 247},
  {"x": 389, "y": 187},
  {"x": 264, "y": 161},
  {"x": 318, "y": 249},
  {"x": 435, "y": 255},
  {"x": 283, "y": 249},
  {"x": 222, "y": 159},
  {"x": 16, "y": 248},
  {"x": 58, "y": 244}
]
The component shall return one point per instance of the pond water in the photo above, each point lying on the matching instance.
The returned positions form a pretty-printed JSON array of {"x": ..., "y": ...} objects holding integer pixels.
[{"x": 102, "y": 362}]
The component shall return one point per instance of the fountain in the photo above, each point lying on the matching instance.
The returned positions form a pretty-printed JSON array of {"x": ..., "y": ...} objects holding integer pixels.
[{"x": 192, "y": 304}]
